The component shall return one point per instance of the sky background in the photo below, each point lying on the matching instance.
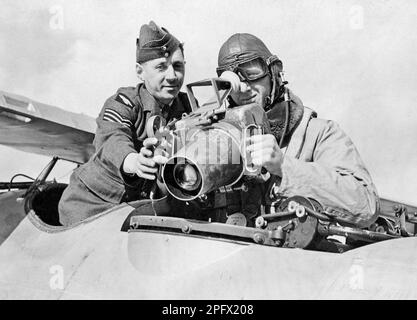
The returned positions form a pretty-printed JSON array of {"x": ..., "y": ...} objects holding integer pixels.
[{"x": 352, "y": 61}]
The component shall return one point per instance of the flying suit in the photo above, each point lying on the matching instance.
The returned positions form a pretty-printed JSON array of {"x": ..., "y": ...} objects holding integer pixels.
[{"x": 321, "y": 162}]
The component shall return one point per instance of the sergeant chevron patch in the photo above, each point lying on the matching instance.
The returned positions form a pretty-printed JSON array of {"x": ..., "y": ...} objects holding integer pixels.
[
  {"x": 123, "y": 99},
  {"x": 113, "y": 116}
]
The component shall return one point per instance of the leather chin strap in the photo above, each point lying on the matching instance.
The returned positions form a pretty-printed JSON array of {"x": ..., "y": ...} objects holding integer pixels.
[
  {"x": 277, "y": 85},
  {"x": 278, "y": 90}
]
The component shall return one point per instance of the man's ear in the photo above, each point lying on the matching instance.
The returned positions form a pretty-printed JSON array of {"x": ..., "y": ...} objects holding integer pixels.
[{"x": 139, "y": 71}]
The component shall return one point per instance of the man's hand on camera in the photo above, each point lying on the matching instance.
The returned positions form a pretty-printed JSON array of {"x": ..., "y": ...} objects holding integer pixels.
[
  {"x": 265, "y": 152},
  {"x": 145, "y": 163}
]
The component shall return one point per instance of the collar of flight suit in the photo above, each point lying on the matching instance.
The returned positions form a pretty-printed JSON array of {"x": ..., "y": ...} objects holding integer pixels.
[{"x": 276, "y": 116}]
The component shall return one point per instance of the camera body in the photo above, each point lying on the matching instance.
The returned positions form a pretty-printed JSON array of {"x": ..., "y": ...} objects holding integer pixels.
[{"x": 207, "y": 147}]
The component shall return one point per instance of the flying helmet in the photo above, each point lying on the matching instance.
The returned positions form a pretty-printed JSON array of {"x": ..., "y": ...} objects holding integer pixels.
[{"x": 248, "y": 57}]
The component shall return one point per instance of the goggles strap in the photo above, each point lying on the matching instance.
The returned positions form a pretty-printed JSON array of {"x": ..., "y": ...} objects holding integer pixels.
[{"x": 271, "y": 59}]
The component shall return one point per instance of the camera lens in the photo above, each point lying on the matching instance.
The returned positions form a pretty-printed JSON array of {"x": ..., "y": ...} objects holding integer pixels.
[{"x": 187, "y": 176}]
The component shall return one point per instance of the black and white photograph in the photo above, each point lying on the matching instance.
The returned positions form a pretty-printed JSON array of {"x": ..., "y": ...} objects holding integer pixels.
[{"x": 231, "y": 151}]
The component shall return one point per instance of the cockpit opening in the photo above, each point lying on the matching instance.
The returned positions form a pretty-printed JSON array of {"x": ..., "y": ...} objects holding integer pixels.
[{"x": 44, "y": 202}]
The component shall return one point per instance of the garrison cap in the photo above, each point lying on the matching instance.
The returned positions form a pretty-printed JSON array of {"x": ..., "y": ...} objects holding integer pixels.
[{"x": 154, "y": 42}]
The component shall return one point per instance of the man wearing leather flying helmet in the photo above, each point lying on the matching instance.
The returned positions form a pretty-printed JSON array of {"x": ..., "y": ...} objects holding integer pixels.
[
  {"x": 124, "y": 166},
  {"x": 305, "y": 155}
]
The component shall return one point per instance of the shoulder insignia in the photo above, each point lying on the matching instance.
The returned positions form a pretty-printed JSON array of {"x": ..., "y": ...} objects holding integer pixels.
[
  {"x": 123, "y": 99},
  {"x": 113, "y": 116}
]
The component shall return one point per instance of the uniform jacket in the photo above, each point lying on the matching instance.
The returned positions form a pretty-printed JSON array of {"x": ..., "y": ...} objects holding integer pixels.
[
  {"x": 100, "y": 183},
  {"x": 321, "y": 162}
]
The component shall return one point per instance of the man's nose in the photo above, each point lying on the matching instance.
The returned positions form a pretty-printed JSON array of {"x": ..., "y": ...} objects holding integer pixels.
[
  {"x": 244, "y": 86},
  {"x": 170, "y": 74}
]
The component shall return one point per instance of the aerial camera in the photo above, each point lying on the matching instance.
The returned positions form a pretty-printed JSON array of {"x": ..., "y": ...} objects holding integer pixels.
[{"x": 207, "y": 148}]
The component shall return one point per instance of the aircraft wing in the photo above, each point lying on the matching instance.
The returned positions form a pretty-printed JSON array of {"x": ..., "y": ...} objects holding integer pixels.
[{"x": 38, "y": 128}]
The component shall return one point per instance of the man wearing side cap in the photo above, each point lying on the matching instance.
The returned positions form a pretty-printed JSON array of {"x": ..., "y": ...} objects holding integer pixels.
[
  {"x": 305, "y": 155},
  {"x": 124, "y": 167}
]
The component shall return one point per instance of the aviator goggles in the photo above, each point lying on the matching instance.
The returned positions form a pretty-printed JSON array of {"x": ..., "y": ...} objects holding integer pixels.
[{"x": 251, "y": 70}]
